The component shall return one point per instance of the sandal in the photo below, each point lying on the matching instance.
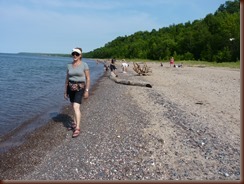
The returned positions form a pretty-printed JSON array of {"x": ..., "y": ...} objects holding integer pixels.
[
  {"x": 72, "y": 126},
  {"x": 76, "y": 133}
]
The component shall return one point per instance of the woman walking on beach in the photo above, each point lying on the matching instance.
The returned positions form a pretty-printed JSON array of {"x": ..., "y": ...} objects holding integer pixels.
[{"x": 77, "y": 86}]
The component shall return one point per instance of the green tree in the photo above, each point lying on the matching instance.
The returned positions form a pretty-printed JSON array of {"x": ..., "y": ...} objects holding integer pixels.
[{"x": 214, "y": 38}]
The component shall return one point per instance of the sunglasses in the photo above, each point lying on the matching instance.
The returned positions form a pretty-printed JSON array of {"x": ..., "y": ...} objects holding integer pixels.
[{"x": 75, "y": 54}]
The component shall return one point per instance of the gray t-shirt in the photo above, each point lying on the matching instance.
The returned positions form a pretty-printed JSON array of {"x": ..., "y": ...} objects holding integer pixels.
[{"x": 78, "y": 73}]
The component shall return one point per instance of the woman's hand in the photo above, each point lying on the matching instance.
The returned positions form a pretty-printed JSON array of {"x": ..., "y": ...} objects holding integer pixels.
[
  {"x": 66, "y": 96},
  {"x": 86, "y": 94}
]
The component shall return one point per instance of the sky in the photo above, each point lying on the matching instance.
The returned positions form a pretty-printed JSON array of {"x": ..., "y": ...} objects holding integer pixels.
[{"x": 58, "y": 26}]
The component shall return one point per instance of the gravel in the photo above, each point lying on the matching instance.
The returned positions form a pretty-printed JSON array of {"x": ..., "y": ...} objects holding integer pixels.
[{"x": 125, "y": 137}]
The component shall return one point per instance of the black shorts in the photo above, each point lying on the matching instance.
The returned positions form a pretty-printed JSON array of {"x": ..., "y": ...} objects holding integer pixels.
[{"x": 76, "y": 96}]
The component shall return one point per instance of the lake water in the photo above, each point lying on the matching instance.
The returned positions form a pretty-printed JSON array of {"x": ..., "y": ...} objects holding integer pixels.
[{"x": 31, "y": 89}]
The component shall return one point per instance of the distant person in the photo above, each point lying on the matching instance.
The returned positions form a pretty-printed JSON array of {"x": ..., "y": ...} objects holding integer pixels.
[
  {"x": 113, "y": 67},
  {"x": 172, "y": 61},
  {"x": 125, "y": 67},
  {"x": 161, "y": 65},
  {"x": 77, "y": 86},
  {"x": 178, "y": 66},
  {"x": 105, "y": 67}
]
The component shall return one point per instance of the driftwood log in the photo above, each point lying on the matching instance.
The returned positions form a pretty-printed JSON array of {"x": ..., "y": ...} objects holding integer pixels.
[
  {"x": 128, "y": 82},
  {"x": 141, "y": 70}
]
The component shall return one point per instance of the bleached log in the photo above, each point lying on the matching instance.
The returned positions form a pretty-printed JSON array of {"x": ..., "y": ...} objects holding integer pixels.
[
  {"x": 128, "y": 82},
  {"x": 144, "y": 70}
]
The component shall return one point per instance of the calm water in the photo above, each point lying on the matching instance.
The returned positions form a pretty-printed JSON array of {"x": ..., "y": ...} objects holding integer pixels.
[{"x": 31, "y": 88}]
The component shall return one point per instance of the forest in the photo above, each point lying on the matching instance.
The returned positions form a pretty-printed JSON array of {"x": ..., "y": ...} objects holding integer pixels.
[{"x": 215, "y": 38}]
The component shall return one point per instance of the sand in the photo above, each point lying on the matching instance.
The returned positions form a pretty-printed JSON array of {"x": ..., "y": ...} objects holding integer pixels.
[{"x": 186, "y": 127}]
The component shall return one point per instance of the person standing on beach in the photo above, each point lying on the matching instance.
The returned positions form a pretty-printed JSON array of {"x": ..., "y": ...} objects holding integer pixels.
[
  {"x": 113, "y": 67},
  {"x": 124, "y": 67},
  {"x": 172, "y": 61},
  {"x": 77, "y": 86}
]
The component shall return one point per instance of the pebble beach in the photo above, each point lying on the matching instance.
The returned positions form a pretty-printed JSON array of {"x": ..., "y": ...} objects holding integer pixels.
[{"x": 186, "y": 127}]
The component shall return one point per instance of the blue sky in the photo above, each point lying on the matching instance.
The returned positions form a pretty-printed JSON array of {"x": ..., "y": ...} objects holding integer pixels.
[{"x": 57, "y": 26}]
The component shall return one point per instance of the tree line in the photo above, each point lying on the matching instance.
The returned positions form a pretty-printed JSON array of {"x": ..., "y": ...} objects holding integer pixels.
[{"x": 216, "y": 38}]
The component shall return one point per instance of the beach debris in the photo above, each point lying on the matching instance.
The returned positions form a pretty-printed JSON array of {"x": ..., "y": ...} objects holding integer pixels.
[
  {"x": 142, "y": 70},
  {"x": 199, "y": 103},
  {"x": 128, "y": 82}
]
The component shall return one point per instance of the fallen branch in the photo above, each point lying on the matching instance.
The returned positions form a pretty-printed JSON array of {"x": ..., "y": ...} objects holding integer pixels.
[
  {"x": 128, "y": 82},
  {"x": 144, "y": 70}
]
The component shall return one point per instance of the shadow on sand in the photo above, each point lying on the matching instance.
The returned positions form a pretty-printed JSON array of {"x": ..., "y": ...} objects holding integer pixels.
[{"x": 65, "y": 119}]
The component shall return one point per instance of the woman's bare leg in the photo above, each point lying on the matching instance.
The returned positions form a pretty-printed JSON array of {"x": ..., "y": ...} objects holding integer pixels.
[{"x": 77, "y": 114}]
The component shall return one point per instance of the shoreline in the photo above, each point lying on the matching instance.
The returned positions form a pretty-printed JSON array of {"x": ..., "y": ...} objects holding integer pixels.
[
  {"x": 11, "y": 158},
  {"x": 175, "y": 130},
  {"x": 19, "y": 135}
]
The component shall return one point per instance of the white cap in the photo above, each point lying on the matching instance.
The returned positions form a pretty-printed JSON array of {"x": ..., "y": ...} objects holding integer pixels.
[{"x": 76, "y": 50}]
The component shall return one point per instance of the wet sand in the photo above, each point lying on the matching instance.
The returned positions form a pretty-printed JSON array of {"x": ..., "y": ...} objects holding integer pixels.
[{"x": 186, "y": 127}]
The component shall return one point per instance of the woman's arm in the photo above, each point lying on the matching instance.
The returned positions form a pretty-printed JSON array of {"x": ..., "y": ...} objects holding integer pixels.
[
  {"x": 86, "y": 93},
  {"x": 65, "y": 86}
]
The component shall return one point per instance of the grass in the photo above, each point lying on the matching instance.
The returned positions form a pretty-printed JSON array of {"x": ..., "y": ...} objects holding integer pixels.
[{"x": 211, "y": 64}]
